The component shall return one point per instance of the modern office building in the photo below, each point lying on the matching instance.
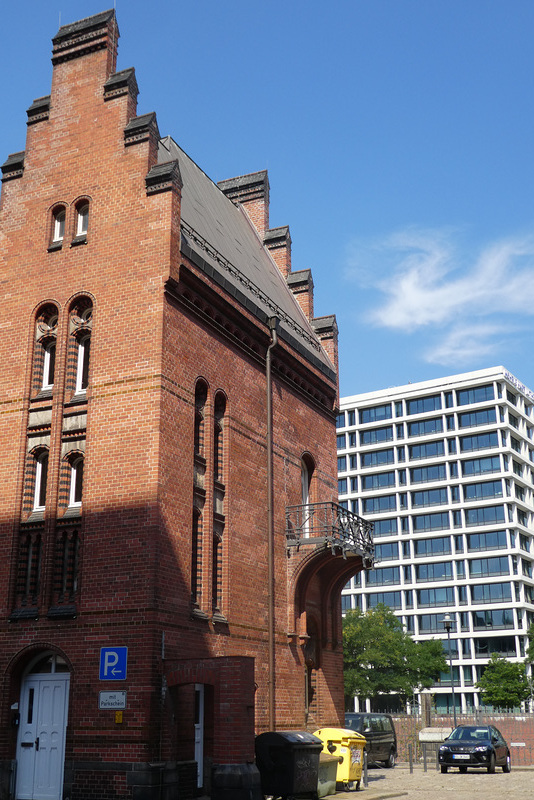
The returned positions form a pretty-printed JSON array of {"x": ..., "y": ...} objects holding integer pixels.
[{"x": 445, "y": 471}]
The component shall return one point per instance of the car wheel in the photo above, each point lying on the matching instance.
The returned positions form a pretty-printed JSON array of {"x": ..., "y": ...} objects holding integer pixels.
[
  {"x": 491, "y": 765},
  {"x": 444, "y": 768},
  {"x": 390, "y": 761},
  {"x": 507, "y": 766},
  {"x": 463, "y": 769}
]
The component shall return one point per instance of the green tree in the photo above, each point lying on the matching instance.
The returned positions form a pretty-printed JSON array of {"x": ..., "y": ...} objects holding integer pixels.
[
  {"x": 380, "y": 657},
  {"x": 503, "y": 684},
  {"x": 530, "y": 650}
]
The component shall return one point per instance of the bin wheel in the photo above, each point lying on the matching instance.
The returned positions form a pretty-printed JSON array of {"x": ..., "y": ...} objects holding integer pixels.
[{"x": 357, "y": 789}]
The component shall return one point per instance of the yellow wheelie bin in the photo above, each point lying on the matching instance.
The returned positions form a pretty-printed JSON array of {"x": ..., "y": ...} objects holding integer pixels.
[{"x": 348, "y": 746}]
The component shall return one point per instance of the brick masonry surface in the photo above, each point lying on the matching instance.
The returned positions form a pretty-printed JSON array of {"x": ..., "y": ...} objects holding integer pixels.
[{"x": 117, "y": 570}]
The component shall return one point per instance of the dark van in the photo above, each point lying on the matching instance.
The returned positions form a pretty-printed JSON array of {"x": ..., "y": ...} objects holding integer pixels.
[{"x": 379, "y": 731}]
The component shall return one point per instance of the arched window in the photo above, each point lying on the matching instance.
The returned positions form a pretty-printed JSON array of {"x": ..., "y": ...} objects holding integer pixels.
[
  {"x": 45, "y": 349},
  {"x": 49, "y": 363},
  {"x": 201, "y": 394},
  {"x": 58, "y": 224},
  {"x": 218, "y": 440},
  {"x": 76, "y": 481},
  {"x": 41, "y": 481},
  {"x": 307, "y": 468},
  {"x": 81, "y": 325},
  {"x": 82, "y": 367},
  {"x": 82, "y": 218}
]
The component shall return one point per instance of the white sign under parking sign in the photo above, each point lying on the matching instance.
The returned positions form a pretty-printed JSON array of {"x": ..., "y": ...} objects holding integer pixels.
[{"x": 112, "y": 700}]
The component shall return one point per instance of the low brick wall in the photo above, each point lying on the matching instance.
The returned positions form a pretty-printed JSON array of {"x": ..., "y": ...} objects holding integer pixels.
[{"x": 517, "y": 729}]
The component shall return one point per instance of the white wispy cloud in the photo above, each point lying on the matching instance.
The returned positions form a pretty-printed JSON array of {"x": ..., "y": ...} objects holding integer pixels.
[{"x": 466, "y": 303}]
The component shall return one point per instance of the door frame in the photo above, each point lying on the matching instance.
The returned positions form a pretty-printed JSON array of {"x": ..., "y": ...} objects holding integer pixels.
[{"x": 25, "y": 686}]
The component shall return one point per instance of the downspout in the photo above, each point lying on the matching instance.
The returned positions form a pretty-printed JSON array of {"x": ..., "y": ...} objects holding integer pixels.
[{"x": 273, "y": 327}]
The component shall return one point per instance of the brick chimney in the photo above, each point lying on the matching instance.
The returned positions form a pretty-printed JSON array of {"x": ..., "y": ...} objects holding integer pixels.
[{"x": 252, "y": 192}]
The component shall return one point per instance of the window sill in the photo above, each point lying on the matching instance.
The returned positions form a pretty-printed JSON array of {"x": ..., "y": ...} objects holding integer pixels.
[
  {"x": 62, "y": 612},
  {"x": 44, "y": 394},
  {"x": 196, "y": 613},
  {"x": 24, "y": 613},
  {"x": 77, "y": 399},
  {"x": 82, "y": 239},
  {"x": 55, "y": 246},
  {"x": 72, "y": 512},
  {"x": 36, "y": 516}
]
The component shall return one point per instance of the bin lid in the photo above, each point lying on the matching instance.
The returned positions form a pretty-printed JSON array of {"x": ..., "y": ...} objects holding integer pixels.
[
  {"x": 288, "y": 737},
  {"x": 340, "y": 735}
]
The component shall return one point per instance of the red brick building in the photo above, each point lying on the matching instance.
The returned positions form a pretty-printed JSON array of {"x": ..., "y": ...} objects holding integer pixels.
[{"x": 171, "y": 556}]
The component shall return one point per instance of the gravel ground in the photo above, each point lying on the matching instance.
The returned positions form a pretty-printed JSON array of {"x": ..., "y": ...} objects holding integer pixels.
[{"x": 432, "y": 785}]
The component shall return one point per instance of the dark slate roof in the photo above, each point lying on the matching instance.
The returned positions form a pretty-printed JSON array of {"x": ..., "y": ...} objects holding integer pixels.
[{"x": 220, "y": 239}]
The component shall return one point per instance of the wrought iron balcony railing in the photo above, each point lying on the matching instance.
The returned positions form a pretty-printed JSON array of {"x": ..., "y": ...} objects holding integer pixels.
[{"x": 330, "y": 525}]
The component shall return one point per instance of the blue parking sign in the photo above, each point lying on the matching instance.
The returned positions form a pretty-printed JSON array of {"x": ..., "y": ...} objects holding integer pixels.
[{"x": 113, "y": 663}]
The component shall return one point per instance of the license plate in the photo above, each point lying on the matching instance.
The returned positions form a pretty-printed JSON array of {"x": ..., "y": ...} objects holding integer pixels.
[{"x": 461, "y": 756}]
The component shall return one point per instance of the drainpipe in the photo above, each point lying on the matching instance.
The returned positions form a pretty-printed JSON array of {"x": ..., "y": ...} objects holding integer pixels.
[{"x": 273, "y": 327}]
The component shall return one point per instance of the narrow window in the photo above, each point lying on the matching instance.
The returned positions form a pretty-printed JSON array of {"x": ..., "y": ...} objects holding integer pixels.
[
  {"x": 45, "y": 350},
  {"x": 82, "y": 368},
  {"x": 49, "y": 364},
  {"x": 306, "y": 474},
  {"x": 58, "y": 228},
  {"x": 76, "y": 482},
  {"x": 41, "y": 480},
  {"x": 218, "y": 443},
  {"x": 82, "y": 219}
]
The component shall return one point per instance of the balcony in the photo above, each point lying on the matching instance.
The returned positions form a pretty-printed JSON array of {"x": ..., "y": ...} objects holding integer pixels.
[{"x": 328, "y": 525}]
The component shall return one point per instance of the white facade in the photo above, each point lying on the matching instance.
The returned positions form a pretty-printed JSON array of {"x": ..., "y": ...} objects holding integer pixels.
[{"x": 445, "y": 471}]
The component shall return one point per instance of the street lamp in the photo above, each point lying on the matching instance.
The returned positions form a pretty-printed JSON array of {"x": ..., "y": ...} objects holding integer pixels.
[{"x": 448, "y": 623}]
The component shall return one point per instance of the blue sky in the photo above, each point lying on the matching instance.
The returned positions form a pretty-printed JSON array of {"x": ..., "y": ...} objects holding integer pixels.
[{"x": 399, "y": 138}]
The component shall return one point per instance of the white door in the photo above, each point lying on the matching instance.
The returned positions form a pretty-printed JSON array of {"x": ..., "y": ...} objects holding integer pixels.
[
  {"x": 41, "y": 743},
  {"x": 199, "y": 732}
]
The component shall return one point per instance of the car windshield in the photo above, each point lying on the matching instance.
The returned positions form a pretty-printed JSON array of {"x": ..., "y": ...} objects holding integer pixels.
[{"x": 470, "y": 733}]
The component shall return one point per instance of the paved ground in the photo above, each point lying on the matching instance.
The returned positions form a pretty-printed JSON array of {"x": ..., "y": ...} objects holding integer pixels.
[{"x": 432, "y": 785}]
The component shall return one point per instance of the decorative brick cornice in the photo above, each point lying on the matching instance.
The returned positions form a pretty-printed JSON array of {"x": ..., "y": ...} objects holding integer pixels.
[
  {"x": 163, "y": 177},
  {"x": 325, "y": 326},
  {"x": 85, "y": 36},
  {"x": 300, "y": 280},
  {"x": 254, "y": 186},
  {"x": 14, "y": 166},
  {"x": 277, "y": 237},
  {"x": 39, "y": 110},
  {"x": 139, "y": 129},
  {"x": 121, "y": 83}
]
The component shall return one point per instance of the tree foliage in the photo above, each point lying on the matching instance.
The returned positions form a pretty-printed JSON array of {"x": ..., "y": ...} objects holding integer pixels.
[
  {"x": 530, "y": 650},
  {"x": 503, "y": 684},
  {"x": 380, "y": 657}
]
